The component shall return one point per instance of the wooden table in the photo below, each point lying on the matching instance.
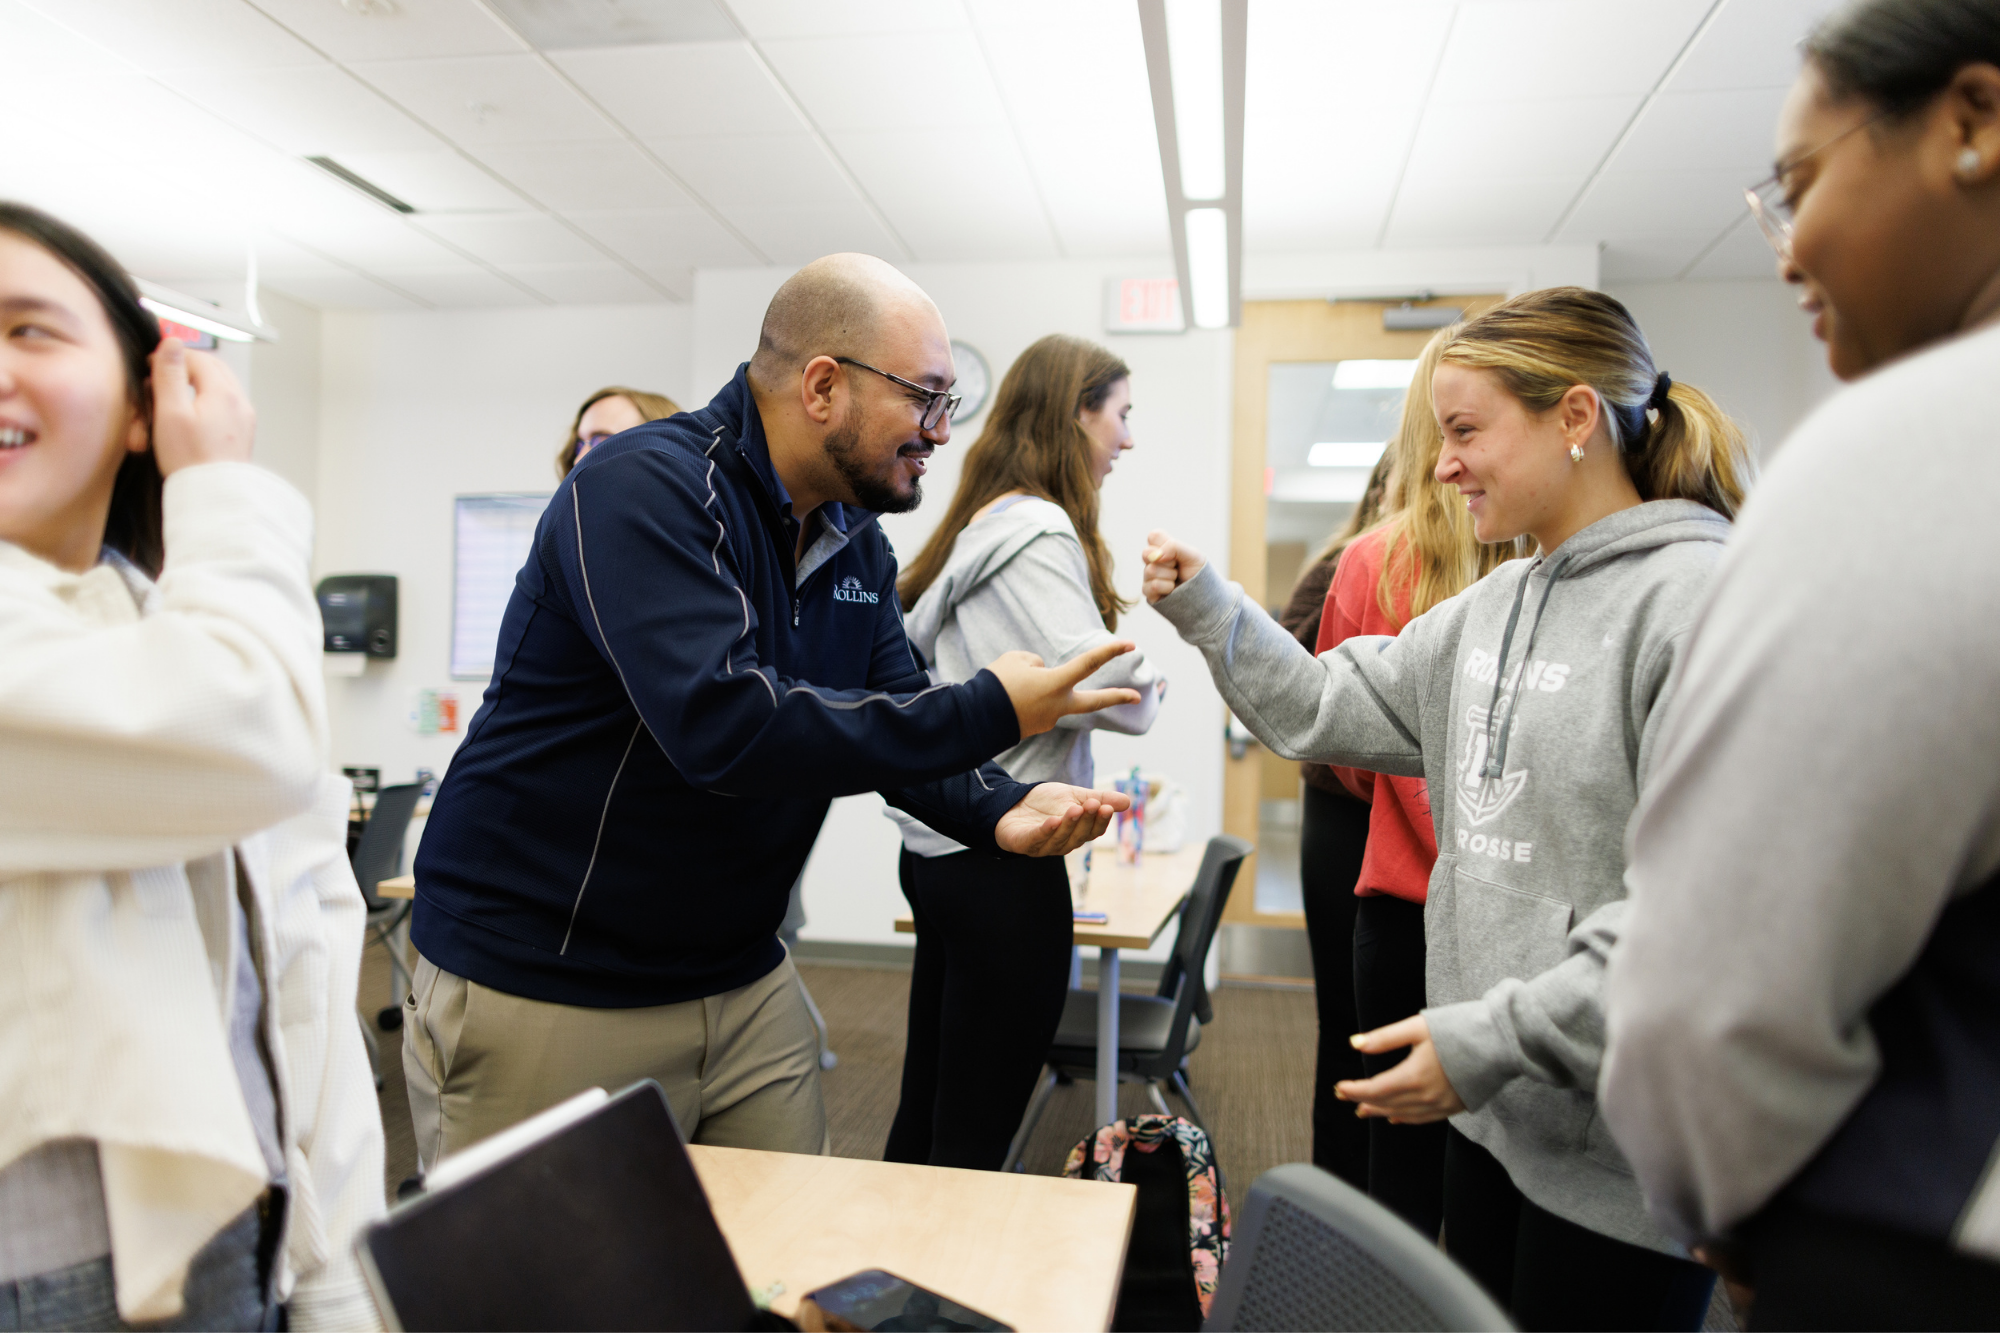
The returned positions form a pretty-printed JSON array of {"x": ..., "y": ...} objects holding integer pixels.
[
  {"x": 1138, "y": 901},
  {"x": 1036, "y": 1252},
  {"x": 401, "y": 886}
]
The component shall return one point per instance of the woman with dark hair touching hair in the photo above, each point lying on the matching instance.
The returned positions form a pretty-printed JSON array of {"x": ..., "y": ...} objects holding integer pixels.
[
  {"x": 1016, "y": 563},
  {"x": 1804, "y": 1011},
  {"x": 191, "y": 1136},
  {"x": 605, "y": 413}
]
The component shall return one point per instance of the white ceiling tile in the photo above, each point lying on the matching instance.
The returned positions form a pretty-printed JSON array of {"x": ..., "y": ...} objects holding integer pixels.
[
  {"x": 943, "y": 230},
  {"x": 1649, "y": 258},
  {"x": 160, "y": 34},
  {"x": 1751, "y": 44},
  {"x": 1743, "y": 253},
  {"x": 365, "y": 237},
  {"x": 460, "y": 286},
  {"x": 594, "y": 174},
  {"x": 672, "y": 91},
  {"x": 514, "y": 238},
  {"x": 337, "y": 289},
  {"x": 1516, "y": 49},
  {"x": 592, "y": 284},
  {"x": 1519, "y": 211},
  {"x": 888, "y": 82},
  {"x": 667, "y": 238},
  {"x": 1706, "y": 131},
  {"x": 800, "y": 235},
  {"x": 569, "y": 24},
  {"x": 433, "y": 182},
  {"x": 488, "y": 99},
  {"x": 845, "y": 18},
  {"x": 1081, "y": 64},
  {"x": 1544, "y": 138},
  {"x": 761, "y": 171},
  {"x": 304, "y": 109},
  {"x": 1649, "y": 203},
  {"x": 404, "y": 30}
]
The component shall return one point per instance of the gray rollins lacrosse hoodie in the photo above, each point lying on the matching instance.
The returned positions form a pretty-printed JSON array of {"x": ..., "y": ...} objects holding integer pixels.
[
  {"x": 1529, "y": 704},
  {"x": 1017, "y": 579}
]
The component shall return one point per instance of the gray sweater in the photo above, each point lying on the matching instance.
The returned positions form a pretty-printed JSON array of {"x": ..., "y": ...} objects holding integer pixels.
[
  {"x": 1017, "y": 579},
  {"x": 1531, "y": 789},
  {"x": 1828, "y": 786}
]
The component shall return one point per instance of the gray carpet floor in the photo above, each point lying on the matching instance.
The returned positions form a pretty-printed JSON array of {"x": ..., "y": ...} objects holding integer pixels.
[{"x": 1252, "y": 1074}]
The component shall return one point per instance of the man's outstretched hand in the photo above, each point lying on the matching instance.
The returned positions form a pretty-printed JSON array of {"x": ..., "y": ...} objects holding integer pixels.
[
  {"x": 1041, "y": 695},
  {"x": 1054, "y": 817}
]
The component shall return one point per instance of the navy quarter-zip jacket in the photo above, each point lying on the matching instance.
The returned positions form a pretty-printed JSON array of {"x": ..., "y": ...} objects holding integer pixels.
[{"x": 674, "y": 703}]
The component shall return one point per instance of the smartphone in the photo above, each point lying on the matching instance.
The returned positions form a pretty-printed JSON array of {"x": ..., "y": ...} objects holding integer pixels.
[{"x": 879, "y": 1300}]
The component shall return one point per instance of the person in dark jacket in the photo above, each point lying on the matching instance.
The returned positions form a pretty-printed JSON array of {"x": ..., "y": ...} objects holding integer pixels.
[{"x": 702, "y": 650}]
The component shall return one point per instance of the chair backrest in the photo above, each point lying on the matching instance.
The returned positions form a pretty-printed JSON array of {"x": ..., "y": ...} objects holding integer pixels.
[
  {"x": 1181, "y": 979},
  {"x": 379, "y": 855},
  {"x": 1311, "y": 1251}
]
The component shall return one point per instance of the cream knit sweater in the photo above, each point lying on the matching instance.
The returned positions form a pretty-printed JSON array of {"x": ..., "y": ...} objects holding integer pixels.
[{"x": 140, "y": 747}]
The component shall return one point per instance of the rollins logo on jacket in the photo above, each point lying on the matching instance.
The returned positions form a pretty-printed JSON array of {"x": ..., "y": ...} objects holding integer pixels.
[{"x": 850, "y": 590}]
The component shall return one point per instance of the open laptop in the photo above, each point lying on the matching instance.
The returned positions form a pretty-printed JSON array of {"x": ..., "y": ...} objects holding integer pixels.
[{"x": 589, "y": 1216}]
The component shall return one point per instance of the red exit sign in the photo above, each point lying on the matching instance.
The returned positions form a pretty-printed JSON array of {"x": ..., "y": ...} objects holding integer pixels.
[
  {"x": 173, "y": 328},
  {"x": 1142, "y": 305}
]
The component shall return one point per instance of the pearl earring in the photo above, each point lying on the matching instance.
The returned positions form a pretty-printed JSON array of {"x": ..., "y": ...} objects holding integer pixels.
[
  {"x": 1968, "y": 163},
  {"x": 1576, "y": 453}
]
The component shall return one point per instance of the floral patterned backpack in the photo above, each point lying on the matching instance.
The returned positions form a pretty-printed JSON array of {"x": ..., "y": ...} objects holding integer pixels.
[{"x": 1180, "y": 1235}]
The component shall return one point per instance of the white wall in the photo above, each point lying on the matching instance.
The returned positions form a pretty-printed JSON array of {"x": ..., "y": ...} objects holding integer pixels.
[
  {"x": 1177, "y": 478},
  {"x": 1742, "y": 341},
  {"x": 418, "y": 407},
  {"x": 284, "y": 386}
]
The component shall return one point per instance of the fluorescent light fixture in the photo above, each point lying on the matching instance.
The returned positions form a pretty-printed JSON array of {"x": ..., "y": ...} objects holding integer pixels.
[
  {"x": 1374, "y": 374},
  {"x": 1194, "y": 56},
  {"x": 1208, "y": 266},
  {"x": 198, "y": 314},
  {"x": 1346, "y": 453}
]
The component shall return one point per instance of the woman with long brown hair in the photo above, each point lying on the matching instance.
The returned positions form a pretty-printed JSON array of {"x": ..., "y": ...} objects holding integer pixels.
[
  {"x": 610, "y": 410},
  {"x": 1017, "y": 563},
  {"x": 1530, "y": 704}
]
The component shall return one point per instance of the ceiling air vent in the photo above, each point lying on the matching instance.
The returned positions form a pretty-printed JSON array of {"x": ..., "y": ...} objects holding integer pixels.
[
  {"x": 361, "y": 183},
  {"x": 567, "y": 25}
]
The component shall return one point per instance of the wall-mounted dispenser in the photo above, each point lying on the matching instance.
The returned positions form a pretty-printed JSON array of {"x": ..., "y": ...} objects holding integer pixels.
[{"x": 359, "y": 611}]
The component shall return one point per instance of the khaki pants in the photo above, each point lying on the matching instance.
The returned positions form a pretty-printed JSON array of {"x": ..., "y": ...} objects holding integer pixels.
[{"x": 740, "y": 1069}]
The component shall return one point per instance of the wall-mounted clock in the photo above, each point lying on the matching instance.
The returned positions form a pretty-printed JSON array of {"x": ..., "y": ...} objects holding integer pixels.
[{"x": 975, "y": 381}]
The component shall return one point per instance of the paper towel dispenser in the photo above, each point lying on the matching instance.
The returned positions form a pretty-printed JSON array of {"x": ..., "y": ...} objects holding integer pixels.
[{"x": 359, "y": 611}]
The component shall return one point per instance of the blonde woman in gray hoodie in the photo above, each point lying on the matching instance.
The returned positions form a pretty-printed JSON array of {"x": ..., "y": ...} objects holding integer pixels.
[
  {"x": 1017, "y": 563},
  {"x": 1530, "y": 704}
]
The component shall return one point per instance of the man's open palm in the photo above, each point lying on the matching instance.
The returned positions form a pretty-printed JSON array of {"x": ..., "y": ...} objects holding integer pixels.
[{"x": 1054, "y": 818}]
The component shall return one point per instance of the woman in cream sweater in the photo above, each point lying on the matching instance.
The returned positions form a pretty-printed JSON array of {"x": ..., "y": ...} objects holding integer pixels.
[{"x": 191, "y": 1134}]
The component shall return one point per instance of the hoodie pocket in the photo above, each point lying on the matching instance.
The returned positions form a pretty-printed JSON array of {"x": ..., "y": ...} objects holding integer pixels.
[{"x": 1481, "y": 933}]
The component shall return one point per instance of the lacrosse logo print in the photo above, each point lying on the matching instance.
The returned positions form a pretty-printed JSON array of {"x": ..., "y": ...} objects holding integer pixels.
[
  {"x": 850, "y": 590},
  {"x": 1483, "y": 798}
]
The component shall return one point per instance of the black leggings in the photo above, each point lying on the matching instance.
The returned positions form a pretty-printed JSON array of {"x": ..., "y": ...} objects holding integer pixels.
[
  {"x": 1553, "y": 1274},
  {"x": 1331, "y": 841},
  {"x": 986, "y": 994},
  {"x": 1405, "y": 1162}
]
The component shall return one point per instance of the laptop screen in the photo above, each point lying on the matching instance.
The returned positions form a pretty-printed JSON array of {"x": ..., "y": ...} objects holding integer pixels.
[{"x": 602, "y": 1225}]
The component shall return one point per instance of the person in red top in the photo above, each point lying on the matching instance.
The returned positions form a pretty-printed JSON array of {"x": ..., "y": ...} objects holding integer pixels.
[{"x": 1420, "y": 554}]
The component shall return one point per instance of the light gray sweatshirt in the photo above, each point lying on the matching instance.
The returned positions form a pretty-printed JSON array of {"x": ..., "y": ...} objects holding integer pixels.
[
  {"x": 1531, "y": 787},
  {"x": 1017, "y": 579},
  {"x": 1828, "y": 787}
]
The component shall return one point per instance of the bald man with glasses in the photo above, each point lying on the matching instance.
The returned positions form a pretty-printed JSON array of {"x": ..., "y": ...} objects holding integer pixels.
[{"x": 703, "y": 649}]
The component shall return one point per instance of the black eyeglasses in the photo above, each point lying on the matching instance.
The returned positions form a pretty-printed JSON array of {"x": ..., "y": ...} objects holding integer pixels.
[{"x": 938, "y": 403}]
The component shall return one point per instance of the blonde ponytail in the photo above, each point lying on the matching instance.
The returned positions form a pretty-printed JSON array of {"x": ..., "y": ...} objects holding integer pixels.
[{"x": 1676, "y": 442}]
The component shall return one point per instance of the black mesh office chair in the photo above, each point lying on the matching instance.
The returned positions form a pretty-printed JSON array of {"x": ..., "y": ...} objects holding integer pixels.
[
  {"x": 1311, "y": 1251},
  {"x": 379, "y": 856},
  {"x": 1155, "y": 1032}
]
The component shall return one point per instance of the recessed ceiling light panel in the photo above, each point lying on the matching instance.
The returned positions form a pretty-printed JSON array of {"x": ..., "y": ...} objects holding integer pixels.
[{"x": 569, "y": 25}]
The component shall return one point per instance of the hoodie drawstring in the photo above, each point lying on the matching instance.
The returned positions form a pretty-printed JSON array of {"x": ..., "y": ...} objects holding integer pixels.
[{"x": 1496, "y": 755}]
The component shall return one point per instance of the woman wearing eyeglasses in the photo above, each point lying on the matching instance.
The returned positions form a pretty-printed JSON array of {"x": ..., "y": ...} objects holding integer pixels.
[
  {"x": 1804, "y": 1014},
  {"x": 1017, "y": 563},
  {"x": 604, "y": 414}
]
